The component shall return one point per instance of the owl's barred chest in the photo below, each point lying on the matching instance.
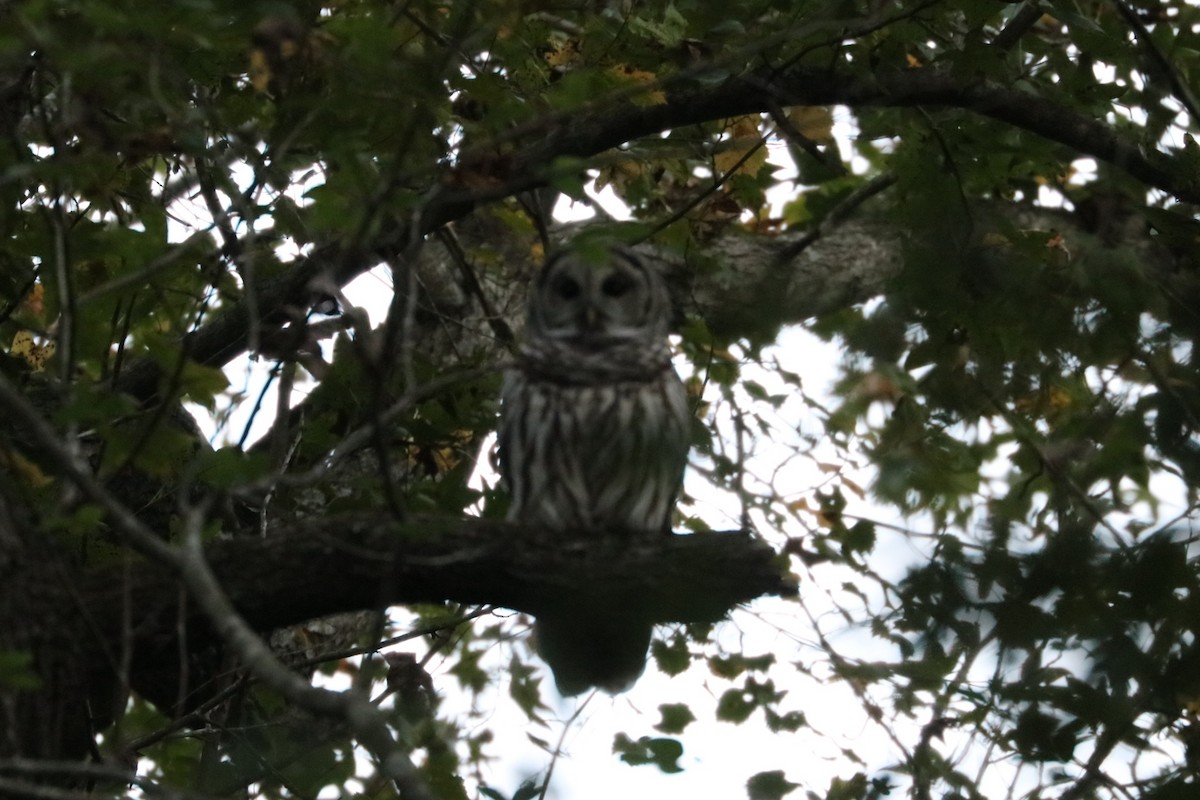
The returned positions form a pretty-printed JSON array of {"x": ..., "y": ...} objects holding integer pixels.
[
  {"x": 609, "y": 421},
  {"x": 590, "y": 456}
]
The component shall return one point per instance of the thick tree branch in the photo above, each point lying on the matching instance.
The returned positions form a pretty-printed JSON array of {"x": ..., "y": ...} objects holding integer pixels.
[
  {"x": 593, "y": 132},
  {"x": 604, "y": 125},
  {"x": 365, "y": 561}
]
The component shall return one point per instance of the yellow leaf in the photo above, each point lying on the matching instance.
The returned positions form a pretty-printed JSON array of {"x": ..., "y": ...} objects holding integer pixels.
[
  {"x": 35, "y": 301},
  {"x": 721, "y": 354},
  {"x": 35, "y": 355},
  {"x": 823, "y": 518},
  {"x": 854, "y": 487},
  {"x": 447, "y": 457},
  {"x": 618, "y": 175},
  {"x": 650, "y": 97},
  {"x": 744, "y": 134},
  {"x": 730, "y": 159},
  {"x": 913, "y": 61},
  {"x": 1058, "y": 398},
  {"x": 260, "y": 70},
  {"x": 877, "y": 386},
  {"x": 1044, "y": 401},
  {"x": 743, "y": 126},
  {"x": 996, "y": 240},
  {"x": 813, "y": 122},
  {"x": 27, "y": 471},
  {"x": 564, "y": 54}
]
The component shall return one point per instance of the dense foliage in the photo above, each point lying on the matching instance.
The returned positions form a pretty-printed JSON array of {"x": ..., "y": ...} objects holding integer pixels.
[{"x": 989, "y": 512}]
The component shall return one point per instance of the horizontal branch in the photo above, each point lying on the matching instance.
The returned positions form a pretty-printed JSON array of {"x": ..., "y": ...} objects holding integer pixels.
[
  {"x": 368, "y": 561},
  {"x": 931, "y": 86},
  {"x": 598, "y": 127}
]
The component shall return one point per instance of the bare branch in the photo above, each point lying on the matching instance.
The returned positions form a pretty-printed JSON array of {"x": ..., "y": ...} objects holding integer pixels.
[
  {"x": 1159, "y": 62},
  {"x": 1025, "y": 18},
  {"x": 358, "y": 561},
  {"x": 354, "y": 708}
]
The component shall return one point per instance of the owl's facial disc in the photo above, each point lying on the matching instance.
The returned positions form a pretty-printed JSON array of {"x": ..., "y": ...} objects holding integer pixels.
[
  {"x": 595, "y": 305},
  {"x": 611, "y": 308}
]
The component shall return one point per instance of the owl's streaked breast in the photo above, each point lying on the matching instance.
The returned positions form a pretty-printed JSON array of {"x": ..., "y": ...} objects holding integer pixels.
[{"x": 595, "y": 456}]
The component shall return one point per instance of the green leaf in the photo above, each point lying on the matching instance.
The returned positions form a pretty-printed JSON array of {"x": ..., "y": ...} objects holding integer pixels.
[
  {"x": 229, "y": 467},
  {"x": 790, "y": 722},
  {"x": 673, "y": 657},
  {"x": 662, "y": 753},
  {"x": 525, "y": 688},
  {"x": 770, "y": 785},
  {"x": 853, "y": 789},
  {"x": 735, "y": 706},
  {"x": 16, "y": 670},
  {"x": 568, "y": 175},
  {"x": 733, "y": 665},
  {"x": 468, "y": 671},
  {"x": 527, "y": 791},
  {"x": 859, "y": 538},
  {"x": 675, "y": 717},
  {"x": 668, "y": 32}
]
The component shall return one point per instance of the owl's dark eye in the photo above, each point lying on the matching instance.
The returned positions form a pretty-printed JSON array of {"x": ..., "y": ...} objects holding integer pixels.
[
  {"x": 616, "y": 284},
  {"x": 565, "y": 287}
]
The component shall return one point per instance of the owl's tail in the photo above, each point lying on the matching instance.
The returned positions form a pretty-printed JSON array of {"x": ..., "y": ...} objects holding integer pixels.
[{"x": 587, "y": 649}]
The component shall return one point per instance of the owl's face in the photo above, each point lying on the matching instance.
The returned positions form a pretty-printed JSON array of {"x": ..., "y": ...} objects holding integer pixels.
[{"x": 599, "y": 302}]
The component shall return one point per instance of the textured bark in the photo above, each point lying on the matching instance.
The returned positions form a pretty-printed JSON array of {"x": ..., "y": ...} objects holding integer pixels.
[
  {"x": 759, "y": 290},
  {"x": 344, "y": 563},
  {"x": 40, "y": 615},
  {"x": 335, "y": 564}
]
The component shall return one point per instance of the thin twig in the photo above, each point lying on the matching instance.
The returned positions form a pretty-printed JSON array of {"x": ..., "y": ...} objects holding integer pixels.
[
  {"x": 558, "y": 747},
  {"x": 364, "y": 720},
  {"x": 1025, "y": 18},
  {"x": 708, "y": 191},
  {"x": 189, "y": 720},
  {"x": 838, "y": 213},
  {"x": 360, "y": 437},
  {"x": 495, "y": 319},
  {"x": 796, "y": 137},
  {"x": 1159, "y": 62}
]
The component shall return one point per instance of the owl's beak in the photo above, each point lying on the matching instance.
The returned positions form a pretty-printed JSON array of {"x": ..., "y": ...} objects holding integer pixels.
[{"x": 591, "y": 318}]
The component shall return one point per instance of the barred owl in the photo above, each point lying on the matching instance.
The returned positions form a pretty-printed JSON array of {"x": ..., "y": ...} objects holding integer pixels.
[{"x": 594, "y": 438}]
